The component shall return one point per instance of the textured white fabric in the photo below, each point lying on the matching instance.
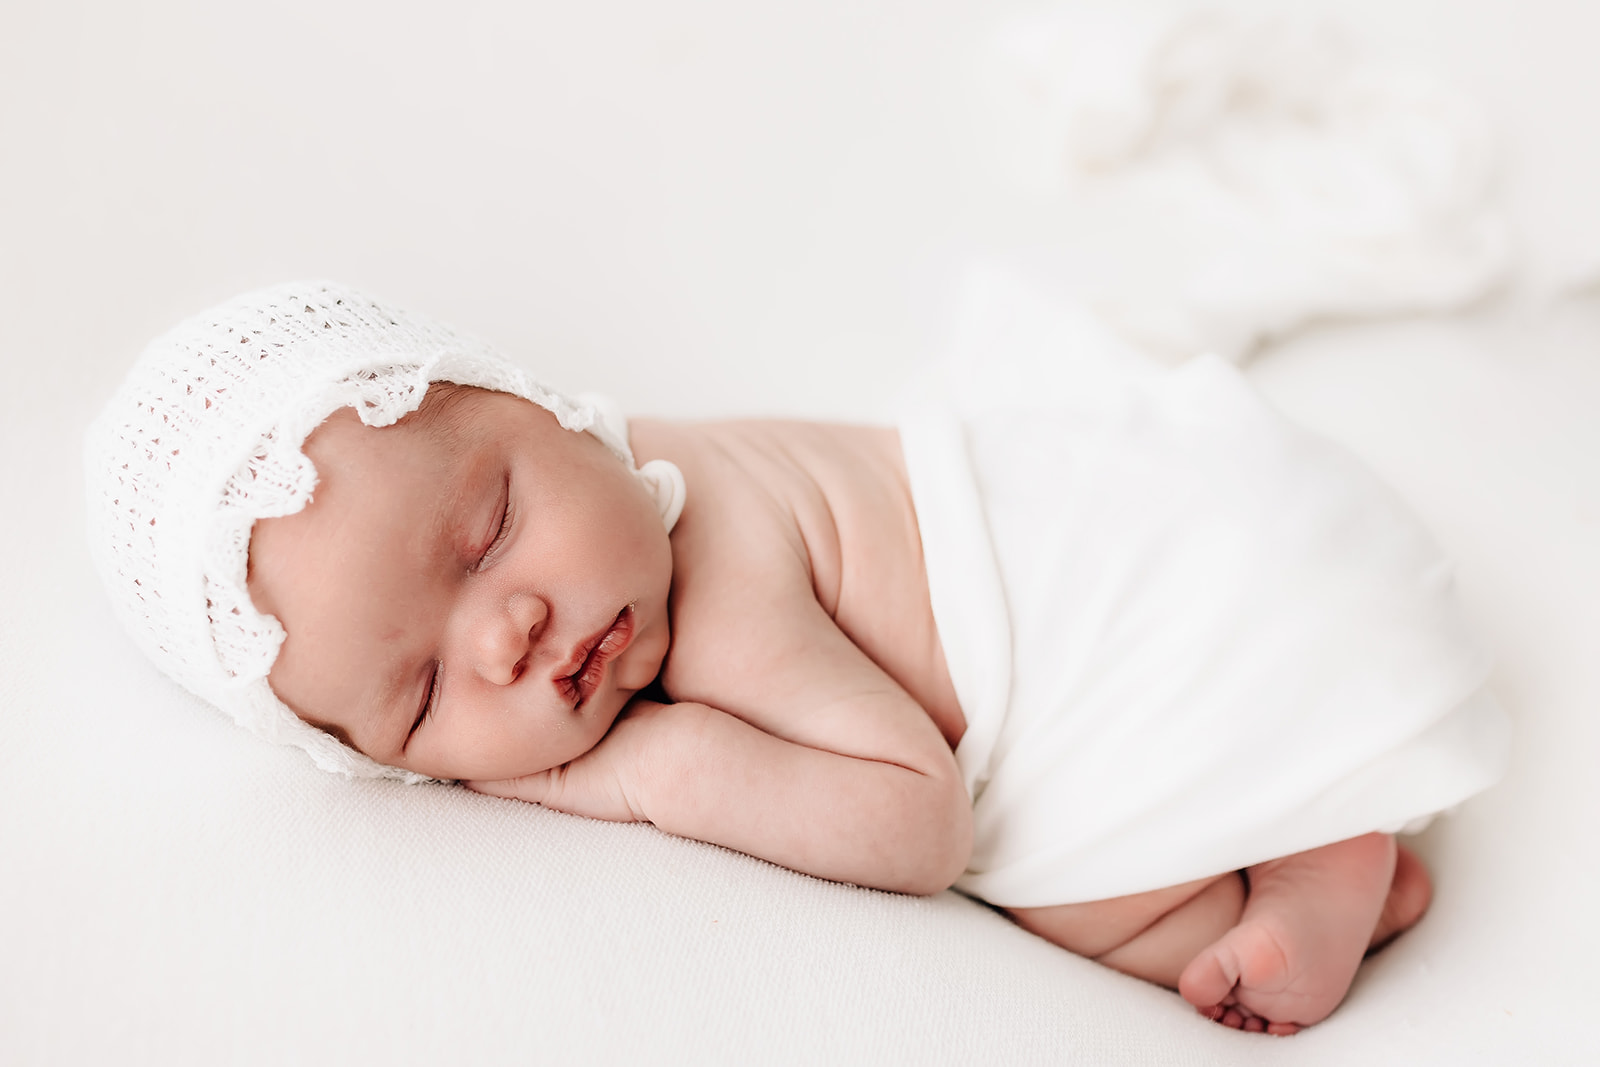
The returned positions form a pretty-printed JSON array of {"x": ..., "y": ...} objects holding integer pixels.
[
  {"x": 1187, "y": 635},
  {"x": 1288, "y": 175},
  {"x": 205, "y": 437}
]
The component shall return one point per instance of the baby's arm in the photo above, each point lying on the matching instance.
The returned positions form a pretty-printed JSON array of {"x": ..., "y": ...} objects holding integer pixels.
[
  {"x": 812, "y": 758},
  {"x": 698, "y": 772}
]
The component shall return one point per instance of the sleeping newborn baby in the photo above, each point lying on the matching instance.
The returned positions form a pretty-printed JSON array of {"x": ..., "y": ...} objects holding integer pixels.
[{"x": 1151, "y": 670}]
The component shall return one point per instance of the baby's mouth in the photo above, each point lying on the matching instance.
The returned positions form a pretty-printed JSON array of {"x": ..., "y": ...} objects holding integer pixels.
[{"x": 593, "y": 656}]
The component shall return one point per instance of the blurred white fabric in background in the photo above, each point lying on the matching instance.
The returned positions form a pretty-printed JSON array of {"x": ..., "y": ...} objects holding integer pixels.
[{"x": 1291, "y": 177}]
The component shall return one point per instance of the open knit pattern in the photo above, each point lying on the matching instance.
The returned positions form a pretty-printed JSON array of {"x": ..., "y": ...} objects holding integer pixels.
[{"x": 204, "y": 437}]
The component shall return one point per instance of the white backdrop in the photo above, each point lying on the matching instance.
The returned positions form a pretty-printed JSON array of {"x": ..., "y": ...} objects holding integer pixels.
[{"x": 701, "y": 208}]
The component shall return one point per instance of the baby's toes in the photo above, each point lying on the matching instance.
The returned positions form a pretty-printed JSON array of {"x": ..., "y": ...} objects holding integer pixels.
[{"x": 1209, "y": 978}]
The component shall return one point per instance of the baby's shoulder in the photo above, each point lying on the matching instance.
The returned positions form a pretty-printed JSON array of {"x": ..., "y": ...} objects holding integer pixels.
[
  {"x": 748, "y": 521},
  {"x": 776, "y": 505},
  {"x": 797, "y": 558},
  {"x": 758, "y": 491},
  {"x": 755, "y": 544}
]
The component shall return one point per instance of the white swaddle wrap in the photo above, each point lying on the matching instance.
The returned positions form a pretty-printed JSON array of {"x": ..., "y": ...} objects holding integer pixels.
[{"x": 1187, "y": 635}]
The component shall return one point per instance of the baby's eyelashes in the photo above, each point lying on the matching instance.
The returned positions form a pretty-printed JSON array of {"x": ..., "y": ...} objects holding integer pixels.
[
  {"x": 507, "y": 516},
  {"x": 430, "y": 697}
]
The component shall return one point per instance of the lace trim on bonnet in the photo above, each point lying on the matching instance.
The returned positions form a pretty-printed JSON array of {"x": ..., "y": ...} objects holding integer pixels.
[{"x": 204, "y": 437}]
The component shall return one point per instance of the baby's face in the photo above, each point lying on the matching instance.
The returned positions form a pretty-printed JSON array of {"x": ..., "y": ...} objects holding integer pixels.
[{"x": 473, "y": 593}]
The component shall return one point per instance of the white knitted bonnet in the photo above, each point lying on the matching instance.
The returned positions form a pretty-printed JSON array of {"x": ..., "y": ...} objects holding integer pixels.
[{"x": 204, "y": 437}]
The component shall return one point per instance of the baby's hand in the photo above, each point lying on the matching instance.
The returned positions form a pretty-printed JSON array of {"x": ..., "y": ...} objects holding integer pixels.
[{"x": 601, "y": 783}]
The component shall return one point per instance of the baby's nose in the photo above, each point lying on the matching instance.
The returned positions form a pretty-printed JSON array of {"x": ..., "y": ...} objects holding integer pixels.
[{"x": 506, "y": 638}]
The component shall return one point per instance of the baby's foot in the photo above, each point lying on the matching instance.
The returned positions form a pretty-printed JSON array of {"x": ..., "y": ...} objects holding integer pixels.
[
  {"x": 1307, "y": 922},
  {"x": 1410, "y": 893}
]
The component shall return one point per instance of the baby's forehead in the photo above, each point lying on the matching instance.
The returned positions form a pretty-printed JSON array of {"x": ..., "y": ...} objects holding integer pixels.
[
  {"x": 444, "y": 457},
  {"x": 455, "y": 416},
  {"x": 414, "y": 493},
  {"x": 450, "y": 419}
]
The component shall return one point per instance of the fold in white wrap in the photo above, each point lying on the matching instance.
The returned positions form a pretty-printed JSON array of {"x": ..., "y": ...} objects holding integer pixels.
[{"x": 1187, "y": 635}]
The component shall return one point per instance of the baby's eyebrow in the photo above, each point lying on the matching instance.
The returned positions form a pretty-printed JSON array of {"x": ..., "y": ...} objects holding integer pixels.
[
  {"x": 477, "y": 484},
  {"x": 382, "y": 719}
]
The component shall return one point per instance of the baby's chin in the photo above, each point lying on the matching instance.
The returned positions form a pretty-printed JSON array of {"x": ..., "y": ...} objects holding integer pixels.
[{"x": 638, "y": 668}]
